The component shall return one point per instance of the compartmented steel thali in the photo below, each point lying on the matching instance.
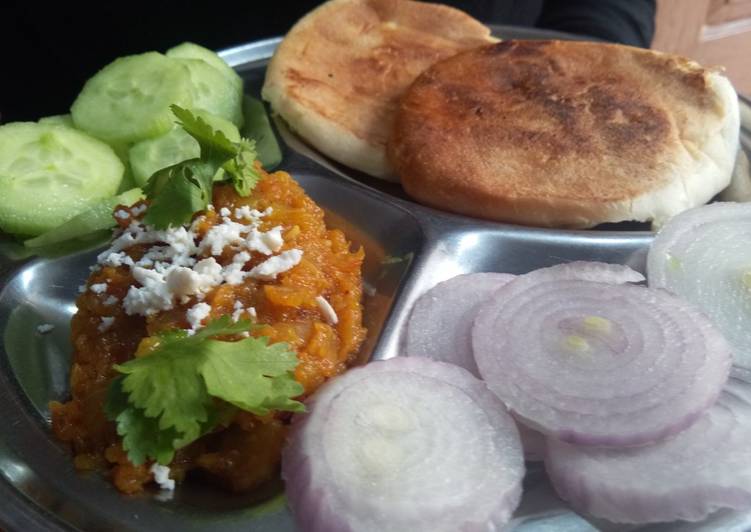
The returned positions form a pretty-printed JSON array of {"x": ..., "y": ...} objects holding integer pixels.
[{"x": 42, "y": 491}]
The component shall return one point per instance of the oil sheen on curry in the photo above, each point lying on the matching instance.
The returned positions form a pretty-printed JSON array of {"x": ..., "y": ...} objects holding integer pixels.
[{"x": 267, "y": 258}]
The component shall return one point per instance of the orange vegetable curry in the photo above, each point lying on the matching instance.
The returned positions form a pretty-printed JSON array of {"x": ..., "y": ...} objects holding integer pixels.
[{"x": 246, "y": 452}]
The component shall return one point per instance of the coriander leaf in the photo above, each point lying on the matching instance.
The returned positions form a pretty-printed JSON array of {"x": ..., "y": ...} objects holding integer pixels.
[
  {"x": 177, "y": 192},
  {"x": 167, "y": 398},
  {"x": 166, "y": 385},
  {"x": 142, "y": 437},
  {"x": 216, "y": 148},
  {"x": 241, "y": 170},
  {"x": 223, "y": 326},
  {"x": 253, "y": 375}
]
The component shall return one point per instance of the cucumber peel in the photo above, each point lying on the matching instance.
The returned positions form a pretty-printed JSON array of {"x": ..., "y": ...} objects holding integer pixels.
[
  {"x": 258, "y": 128},
  {"x": 50, "y": 173},
  {"x": 128, "y": 100},
  {"x": 98, "y": 217}
]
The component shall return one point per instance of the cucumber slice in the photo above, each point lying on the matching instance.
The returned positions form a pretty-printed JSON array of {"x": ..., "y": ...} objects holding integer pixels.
[
  {"x": 189, "y": 50},
  {"x": 50, "y": 173},
  {"x": 57, "y": 120},
  {"x": 151, "y": 155},
  {"x": 96, "y": 218},
  {"x": 128, "y": 181},
  {"x": 213, "y": 92},
  {"x": 258, "y": 128},
  {"x": 129, "y": 99}
]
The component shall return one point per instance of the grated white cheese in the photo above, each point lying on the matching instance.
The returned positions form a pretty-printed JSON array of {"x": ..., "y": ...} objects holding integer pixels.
[
  {"x": 233, "y": 273},
  {"x": 111, "y": 300},
  {"x": 107, "y": 322},
  {"x": 151, "y": 297},
  {"x": 265, "y": 242},
  {"x": 98, "y": 288},
  {"x": 170, "y": 271},
  {"x": 327, "y": 310},
  {"x": 161, "y": 476},
  {"x": 240, "y": 310},
  {"x": 196, "y": 314},
  {"x": 277, "y": 264},
  {"x": 44, "y": 328},
  {"x": 225, "y": 234},
  {"x": 121, "y": 214}
]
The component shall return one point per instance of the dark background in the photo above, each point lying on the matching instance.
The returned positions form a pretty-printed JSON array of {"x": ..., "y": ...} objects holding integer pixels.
[{"x": 49, "y": 52}]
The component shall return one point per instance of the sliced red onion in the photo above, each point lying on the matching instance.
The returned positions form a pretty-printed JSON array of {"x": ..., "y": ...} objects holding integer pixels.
[
  {"x": 704, "y": 468},
  {"x": 440, "y": 326},
  {"x": 403, "y": 444},
  {"x": 596, "y": 363},
  {"x": 704, "y": 255}
]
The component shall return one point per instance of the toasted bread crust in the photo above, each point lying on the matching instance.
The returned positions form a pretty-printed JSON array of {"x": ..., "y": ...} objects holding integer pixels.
[
  {"x": 561, "y": 133},
  {"x": 338, "y": 74}
]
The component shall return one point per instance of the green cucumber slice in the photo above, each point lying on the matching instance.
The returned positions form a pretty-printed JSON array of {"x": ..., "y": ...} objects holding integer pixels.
[
  {"x": 151, "y": 155},
  {"x": 57, "y": 120},
  {"x": 50, "y": 173},
  {"x": 189, "y": 50},
  {"x": 96, "y": 218},
  {"x": 258, "y": 128},
  {"x": 129, "y": 99},
  {"x": 128, "y": 181},
  {"x": 213, "y": 92}
]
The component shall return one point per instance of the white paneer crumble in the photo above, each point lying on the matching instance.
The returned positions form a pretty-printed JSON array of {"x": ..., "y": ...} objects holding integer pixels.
[
  {"x": 327, "y": 310},
  {"x": 196, "y": 314},
  {"x": 98, "y": 288},
  {"x": 239, "y": 310},
  {"x": 44, "y": 328},
  {"x": 174, "y": 267},
  {"x": 277, "y": 264},
  {"x": 161, "y": 476}
]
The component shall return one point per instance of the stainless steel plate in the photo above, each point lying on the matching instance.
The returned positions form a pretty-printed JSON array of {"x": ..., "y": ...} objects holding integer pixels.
[{"x": 39, "y": 488}]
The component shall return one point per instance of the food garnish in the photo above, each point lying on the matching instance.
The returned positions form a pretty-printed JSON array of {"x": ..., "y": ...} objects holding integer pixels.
[
  {"x": 403, "y": 444},
  {"x": 166, "y": 398},
  {"x": 151, "y": 155},
  {"x": 702, "y": 255},
  {"x": 177, "y": 192}
]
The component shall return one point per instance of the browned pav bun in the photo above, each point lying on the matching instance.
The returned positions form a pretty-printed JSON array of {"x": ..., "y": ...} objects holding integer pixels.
[
  {"x": 337, "y": 76},
  {"x": 566, "y": 134}
]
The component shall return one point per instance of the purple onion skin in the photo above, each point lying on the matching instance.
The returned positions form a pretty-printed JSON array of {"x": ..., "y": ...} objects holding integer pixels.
[
  {"x": 317, "y": 504},
  {"x": 627, "y": 407},
  {"x": 440, "y": 324},
  {"x": 712, "y": 460}
]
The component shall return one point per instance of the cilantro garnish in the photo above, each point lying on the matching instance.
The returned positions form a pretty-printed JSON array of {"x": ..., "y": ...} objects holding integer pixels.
[
  {"x": 170, "y": 397},
  {"x": 179, "y": 191}
]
